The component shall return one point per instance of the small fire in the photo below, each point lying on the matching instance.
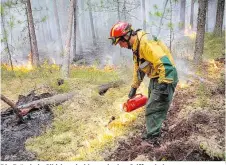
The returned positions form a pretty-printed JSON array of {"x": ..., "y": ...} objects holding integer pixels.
[
  {"x": 109, "y": 68},
  {"x": 29, "y": 64},
  {"x": 213, "y": 63},
  {"x": 54, "y": 62},
  {"x": 183, "y": 85},
  {"x": 189, "y": 32},
  {"x": 114, "y": 129},
  {"x": 24, "y": 68}
]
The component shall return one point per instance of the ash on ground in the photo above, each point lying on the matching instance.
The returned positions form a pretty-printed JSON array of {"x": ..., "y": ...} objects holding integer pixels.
[{"x": 14, "y": 134}]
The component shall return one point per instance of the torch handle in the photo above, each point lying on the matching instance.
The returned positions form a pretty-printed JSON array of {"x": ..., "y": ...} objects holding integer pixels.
[{"x": 139, "y": 94}]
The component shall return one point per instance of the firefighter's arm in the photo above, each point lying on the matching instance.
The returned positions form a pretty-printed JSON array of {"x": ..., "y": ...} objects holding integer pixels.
[{"x": 136, "y": 82}]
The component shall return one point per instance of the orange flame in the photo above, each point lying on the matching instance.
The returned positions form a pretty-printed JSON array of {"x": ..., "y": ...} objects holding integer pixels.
[
  {"x": 23, "y": 68},
  {"x": 183, "y": 85},
  {"x": 213, "y": 63}
]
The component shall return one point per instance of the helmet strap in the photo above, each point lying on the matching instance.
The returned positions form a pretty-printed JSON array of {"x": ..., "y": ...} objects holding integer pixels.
[{"x": 127, "y": 40}]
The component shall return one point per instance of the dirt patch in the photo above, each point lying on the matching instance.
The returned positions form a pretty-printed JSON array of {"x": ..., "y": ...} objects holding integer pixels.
[
  {"x": 177, "y": 141},
  {"x": 14, "y": 134}
]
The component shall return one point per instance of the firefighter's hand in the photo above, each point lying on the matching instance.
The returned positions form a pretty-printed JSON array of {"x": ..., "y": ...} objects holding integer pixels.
[{"x": 132, "y": 92}]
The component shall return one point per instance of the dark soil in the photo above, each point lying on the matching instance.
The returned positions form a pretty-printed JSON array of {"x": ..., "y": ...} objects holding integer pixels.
[
  {"x": 173, "y": 143},
  {"x": 14, "y": 134}
]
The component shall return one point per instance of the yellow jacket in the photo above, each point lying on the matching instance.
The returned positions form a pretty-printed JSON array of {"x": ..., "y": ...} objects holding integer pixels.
[{"x": 158, "y": 55}]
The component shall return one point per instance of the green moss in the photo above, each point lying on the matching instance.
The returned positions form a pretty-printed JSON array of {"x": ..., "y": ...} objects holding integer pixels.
[
  {"x": 64, "y": 88},
  {"x": 94, "y": 76},
  {"x": 213, "y": 46},
  {"x": 203, "y": 95}
]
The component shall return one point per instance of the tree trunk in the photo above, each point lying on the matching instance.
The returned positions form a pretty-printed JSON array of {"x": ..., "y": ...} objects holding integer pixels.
[
  {"x": 91, "y": 23},
  {"x": 192, "y": 13},
  {"x": 58, "y": 25},
  {"x": 199, "y": 43},
  {"x": 75, "y": 23},
  {"x": 118, "y": 10},
  {"x": 66, "y": 60},
  {"x": 182, "y": 14},
  {"x": 6, "y": 42},
  {"x": 124, "y": 10},
  {"x": 219, "y": 18},
  {"x": 144, "y": 15},
  {"x": 33, "y": 36},
  {"x": 29, "y": 35},
  {"x": 207, "y": 8}
]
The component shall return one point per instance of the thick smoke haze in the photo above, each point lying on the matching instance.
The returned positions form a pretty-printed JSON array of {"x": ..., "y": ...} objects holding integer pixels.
[{"x": 104, "y": 14}]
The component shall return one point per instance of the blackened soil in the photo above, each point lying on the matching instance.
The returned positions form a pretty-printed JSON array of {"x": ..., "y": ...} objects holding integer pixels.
[{"x": 14, "y": 134}]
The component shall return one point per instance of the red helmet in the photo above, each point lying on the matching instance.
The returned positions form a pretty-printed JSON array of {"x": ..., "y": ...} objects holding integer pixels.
[{"x": 118, "y": 30}]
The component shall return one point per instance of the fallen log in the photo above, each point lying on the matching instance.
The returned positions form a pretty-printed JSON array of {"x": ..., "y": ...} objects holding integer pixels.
[
  {"x": 102, "y": 89},
  {"x": 53, "y": 100},
  {"x": 220, "y": 59}
]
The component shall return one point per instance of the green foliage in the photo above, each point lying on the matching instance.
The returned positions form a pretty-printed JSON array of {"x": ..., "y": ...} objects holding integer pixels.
[
  {"x": 180, "y": 24},
  {"x": 2, "y": 10},
  {"x": 101, "y": 3},
  {"x": 44, "y": 18},
  {"x": 213, "y": 46},
  {"x": 170, "y": 25},
  {"x": 9, "y": 4},
  {"x": 155, "y": 7},
  {"x": 4, "y": 39},
  {"x": 158, "y": 14},
  {"x": 12, "y": 22}
]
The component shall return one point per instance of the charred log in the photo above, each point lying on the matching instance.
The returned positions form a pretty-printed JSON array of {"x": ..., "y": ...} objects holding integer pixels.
[
  {"x": 220, "y": 59},
  {"x": 102, "y": 89},
  {"x": 37, "y": 104}
]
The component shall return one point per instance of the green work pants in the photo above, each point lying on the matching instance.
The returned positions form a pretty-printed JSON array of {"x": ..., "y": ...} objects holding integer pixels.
[{"x": 157, "y": 106}]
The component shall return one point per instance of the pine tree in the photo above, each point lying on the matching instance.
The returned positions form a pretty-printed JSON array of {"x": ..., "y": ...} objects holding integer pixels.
[{"x": 199, "y": 43}]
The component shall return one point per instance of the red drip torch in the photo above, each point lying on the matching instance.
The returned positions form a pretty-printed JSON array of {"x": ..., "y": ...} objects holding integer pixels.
[{"x": 135, "y": 103}]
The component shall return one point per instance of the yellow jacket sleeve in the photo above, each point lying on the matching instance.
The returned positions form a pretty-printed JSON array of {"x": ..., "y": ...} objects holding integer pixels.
[
  {"x": 153, "y": 53},
  {"x": 136, "y": 82}
]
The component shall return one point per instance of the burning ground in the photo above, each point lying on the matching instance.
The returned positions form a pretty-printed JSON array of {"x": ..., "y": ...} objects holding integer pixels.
[
  {"x": 92, "y": 127},
  {"x": 195, "y": 125}
]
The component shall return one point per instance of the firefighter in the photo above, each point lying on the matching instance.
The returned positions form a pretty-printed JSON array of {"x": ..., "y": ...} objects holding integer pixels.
[{"x": 151, "y": 58}]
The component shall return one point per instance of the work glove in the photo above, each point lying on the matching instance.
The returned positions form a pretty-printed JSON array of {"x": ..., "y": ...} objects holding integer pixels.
[{"x": 132, "y": 92}]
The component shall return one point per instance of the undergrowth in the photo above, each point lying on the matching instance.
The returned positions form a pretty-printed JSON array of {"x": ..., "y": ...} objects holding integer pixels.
[{"x": 214, "y": 47}]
